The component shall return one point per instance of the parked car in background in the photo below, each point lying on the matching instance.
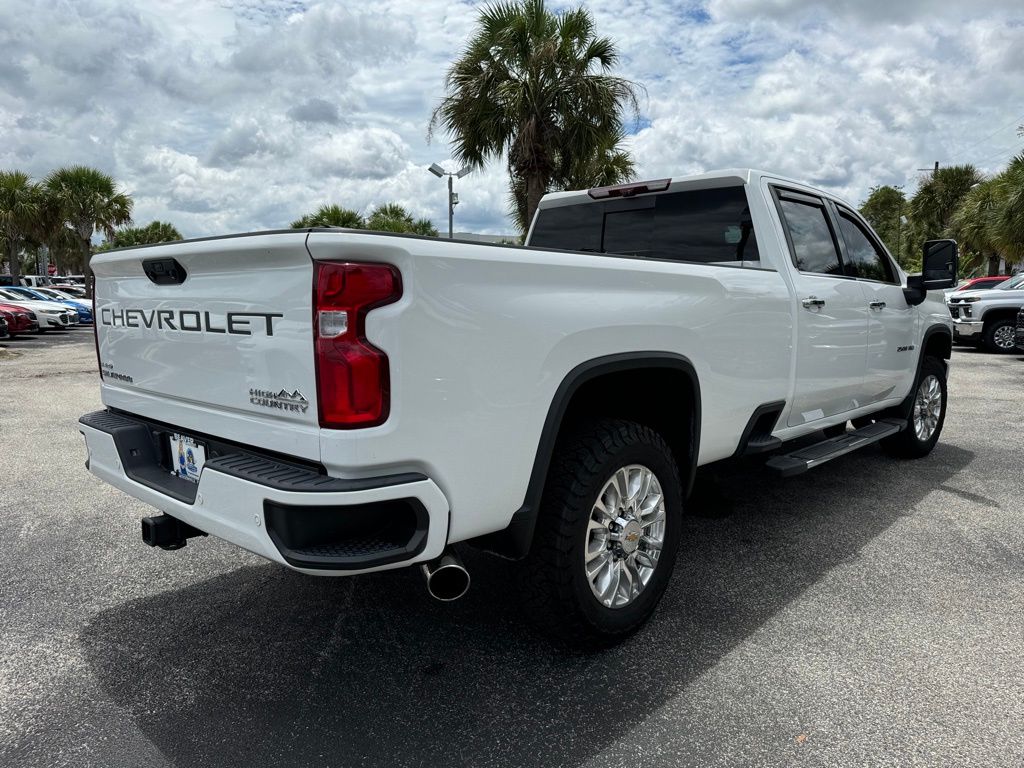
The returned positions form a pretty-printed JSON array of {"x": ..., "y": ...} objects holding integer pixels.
[
  {"x": 34, "y": 281},
  {"x": 987, "y": 317},
  {"x": 61, "y": 294},
  {"x": 50, "y": 314},
  {"x": 1020, "y": 330},
  {"x": 978, "y": 284},
  {"x": 982, "y": 283},
  {"x": 21, "y": 320},
  {"x": 73, "y": 291},
  {"x": 82, "y": 308}
]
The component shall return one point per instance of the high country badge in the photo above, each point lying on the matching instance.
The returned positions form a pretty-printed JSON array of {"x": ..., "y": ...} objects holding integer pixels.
[{"x": 283, "y": 400}]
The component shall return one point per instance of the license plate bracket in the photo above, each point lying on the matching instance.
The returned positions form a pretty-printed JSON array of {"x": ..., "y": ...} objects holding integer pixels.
[{"x": 188, "y": 456}]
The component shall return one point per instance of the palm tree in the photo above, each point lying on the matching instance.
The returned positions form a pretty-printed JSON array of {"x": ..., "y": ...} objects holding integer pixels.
[
  {"x": 19, "y": 205},
  {"x": 154, "y": 232},
  {"x": 939, "y": 195},
  {"x": 932, "y": 207},
  {"x": 534, "y": 87},
  {"x": 50, "y": 231},
  {"x": 88, "y": 200},
  {"x": 392, "y": 217},
  {"x": 1008, "y": 228},
  {"x": 974, "y": 224},
  {"x": 607, "y": 165},
  {"x": 330, "y": 216}
]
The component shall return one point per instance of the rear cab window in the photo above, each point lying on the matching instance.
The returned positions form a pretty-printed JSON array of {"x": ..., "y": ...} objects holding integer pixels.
[
  {"x": 811, "y": 241},
  {"x": 706, "y": 226}
]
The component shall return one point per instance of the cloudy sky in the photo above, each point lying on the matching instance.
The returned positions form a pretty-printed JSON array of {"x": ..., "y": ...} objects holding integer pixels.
[{"x": 234, "y": 115}]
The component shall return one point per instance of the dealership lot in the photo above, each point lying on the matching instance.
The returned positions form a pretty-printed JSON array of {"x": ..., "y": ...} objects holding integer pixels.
[{"x": 867, "y": 613}]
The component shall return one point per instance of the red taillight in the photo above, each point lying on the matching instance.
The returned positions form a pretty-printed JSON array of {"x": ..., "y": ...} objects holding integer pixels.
[{"x": 353, "y": 382}]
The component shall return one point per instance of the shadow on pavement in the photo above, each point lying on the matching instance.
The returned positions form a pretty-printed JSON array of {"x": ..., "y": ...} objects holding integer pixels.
[{"x": 261, "y": 666}]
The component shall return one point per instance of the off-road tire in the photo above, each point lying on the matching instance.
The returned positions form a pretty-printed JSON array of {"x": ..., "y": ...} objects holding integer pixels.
[{"x": 554, "y": 588}]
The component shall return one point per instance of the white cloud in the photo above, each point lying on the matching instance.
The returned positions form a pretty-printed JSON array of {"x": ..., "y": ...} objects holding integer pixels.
[{"x": 225, "y": 116}]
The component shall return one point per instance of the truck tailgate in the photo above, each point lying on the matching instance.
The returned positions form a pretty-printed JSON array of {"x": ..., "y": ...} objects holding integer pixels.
[{"x": 213, "y": 336}]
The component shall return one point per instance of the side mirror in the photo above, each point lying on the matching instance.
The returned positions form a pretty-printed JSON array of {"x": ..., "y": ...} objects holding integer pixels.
[{"x": 939, "y": 264}]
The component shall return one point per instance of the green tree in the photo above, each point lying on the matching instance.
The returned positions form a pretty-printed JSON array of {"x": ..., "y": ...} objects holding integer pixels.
[
  {"x": 534, "y": 87},
  {"x": 50, "y": 233},
  {"x": 88, "y": 200},
  {"x": 330, "y": 216},
  {"x": 19, "y": 206},
  {"x": 392, "y": 217},
  {"x": 1008, "y": 226},
  {"x": 884, "y": 210},
  {"x": 973, "y": 224},
  {"x": 154, "y": 232},
  {"x": 932, "y": 207}
]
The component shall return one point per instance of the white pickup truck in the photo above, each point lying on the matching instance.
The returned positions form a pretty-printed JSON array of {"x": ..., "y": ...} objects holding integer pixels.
[
  {"x": 988, "y": 317},
  {"x": 342, "y": 401}
]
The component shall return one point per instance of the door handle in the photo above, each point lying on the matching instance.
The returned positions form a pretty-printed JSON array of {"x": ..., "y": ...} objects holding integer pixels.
[
  {"x": 812, "y": 302},
  {"x": 877, "y": 305}
]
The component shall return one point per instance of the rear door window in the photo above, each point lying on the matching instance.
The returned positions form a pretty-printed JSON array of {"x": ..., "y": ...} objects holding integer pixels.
[{"x": 811, "y": 240}]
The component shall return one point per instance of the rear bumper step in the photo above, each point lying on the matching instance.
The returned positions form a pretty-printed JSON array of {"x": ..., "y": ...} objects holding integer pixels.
[
  {"x": 808, "y": 457},
  {"x": 285, "y": 512}
]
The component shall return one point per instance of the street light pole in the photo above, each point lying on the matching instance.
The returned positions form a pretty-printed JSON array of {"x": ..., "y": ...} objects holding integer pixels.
[{"x": 453, "y": 199}]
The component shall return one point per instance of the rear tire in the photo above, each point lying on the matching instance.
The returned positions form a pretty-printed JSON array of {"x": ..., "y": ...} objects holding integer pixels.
[
  {"x": 606, "y": 539},
  {"x": 927, "y": 415},
  {"x": 999, "y": 336}
]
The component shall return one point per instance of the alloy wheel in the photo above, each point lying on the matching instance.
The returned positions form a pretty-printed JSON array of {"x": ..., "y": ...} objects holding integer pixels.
[
  {"x": 927, "y": 408},
  {"x": 625, "y": 535}
]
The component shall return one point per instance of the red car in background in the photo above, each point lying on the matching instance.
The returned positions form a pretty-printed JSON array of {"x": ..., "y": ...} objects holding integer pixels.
[
  {"x": 981, "y": 283},
  {"x": 19, "y": 319}
]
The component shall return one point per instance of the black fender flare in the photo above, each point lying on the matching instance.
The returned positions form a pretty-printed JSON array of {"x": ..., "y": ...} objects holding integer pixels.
[
  {"x": 514, "y": 541},
  {"x": 904, "y": 409}
]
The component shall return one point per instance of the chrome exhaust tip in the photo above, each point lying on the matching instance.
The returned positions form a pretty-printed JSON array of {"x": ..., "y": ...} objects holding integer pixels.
[{"x": 447, "y": 578}]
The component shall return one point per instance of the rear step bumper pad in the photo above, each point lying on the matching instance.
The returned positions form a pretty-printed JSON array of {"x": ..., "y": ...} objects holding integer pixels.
[
  {"x": 808, "y": 457},
  {"x": 229, "y": 500}
]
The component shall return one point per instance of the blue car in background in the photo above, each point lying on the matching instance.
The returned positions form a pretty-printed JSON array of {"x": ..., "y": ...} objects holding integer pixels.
[{"x": 83, "y": 308}]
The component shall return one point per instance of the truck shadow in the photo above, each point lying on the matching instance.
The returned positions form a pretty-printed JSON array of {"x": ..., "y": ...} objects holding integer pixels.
[{"x": 261, "y": 666}]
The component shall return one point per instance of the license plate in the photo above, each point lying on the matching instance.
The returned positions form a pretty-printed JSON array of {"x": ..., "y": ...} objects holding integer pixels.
[{"x": 187, "y": 457}]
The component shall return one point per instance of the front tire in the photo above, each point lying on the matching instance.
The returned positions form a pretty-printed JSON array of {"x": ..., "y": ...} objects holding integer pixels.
[
  {"x": 927, "y": 415},
  {"x": 607, "y": 534},
  {"x": 1000, "y": 335}
]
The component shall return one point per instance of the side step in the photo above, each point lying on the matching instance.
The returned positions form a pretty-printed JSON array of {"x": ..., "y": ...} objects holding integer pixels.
[{"x": 802, "y": 459}]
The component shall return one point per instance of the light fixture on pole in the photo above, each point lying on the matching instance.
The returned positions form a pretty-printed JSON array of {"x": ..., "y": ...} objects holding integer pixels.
[{"x": 453, "y": 197}]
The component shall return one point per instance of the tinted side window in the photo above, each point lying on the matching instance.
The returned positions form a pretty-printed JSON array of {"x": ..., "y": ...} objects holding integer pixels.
[
  {"x": 569, "y": 228},
  {"x": 704, "y": 226},
  {"x": 813, "y": 245},
  {"x": 863, "y": 259}
]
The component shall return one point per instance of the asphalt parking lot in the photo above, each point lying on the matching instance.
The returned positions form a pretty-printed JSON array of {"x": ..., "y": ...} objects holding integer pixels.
[{"x": 870, "y": 612}]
